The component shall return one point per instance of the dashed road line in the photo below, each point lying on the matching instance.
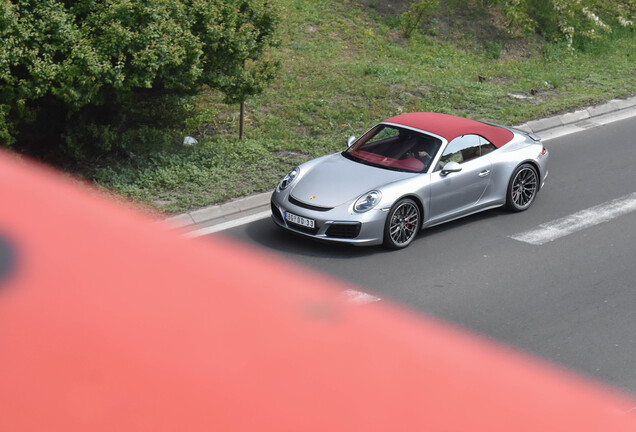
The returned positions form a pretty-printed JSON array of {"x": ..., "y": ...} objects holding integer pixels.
[
  {"x": 359, "y": 297},
  {"x": 587, "y": 218}
]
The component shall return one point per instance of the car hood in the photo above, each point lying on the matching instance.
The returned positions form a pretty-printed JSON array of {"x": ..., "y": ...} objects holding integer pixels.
[{"x": 335, "y": 180}]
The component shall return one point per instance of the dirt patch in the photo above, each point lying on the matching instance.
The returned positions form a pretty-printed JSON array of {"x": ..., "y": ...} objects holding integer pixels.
[
  {"x": 534, "y": 96},
  {"x": 387, "y": 8}
]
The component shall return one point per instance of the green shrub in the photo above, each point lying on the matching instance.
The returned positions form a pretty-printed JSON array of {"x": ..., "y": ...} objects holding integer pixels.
[
  {"x": 493, "y": 49},
  {"x": 575, "y": 22},
  {"x": 99, "y": 68},
  {"x": 411, "y": 20}
]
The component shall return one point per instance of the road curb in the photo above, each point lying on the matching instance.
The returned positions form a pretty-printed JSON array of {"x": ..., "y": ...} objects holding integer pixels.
[
  {"x": 568, "y": 119},
  {"x": 210, "y": 213},
  {"x": 542, "y": 127}
]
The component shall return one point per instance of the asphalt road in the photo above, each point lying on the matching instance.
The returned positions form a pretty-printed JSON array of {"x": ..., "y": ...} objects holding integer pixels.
[{"x": 571, "y": 300}]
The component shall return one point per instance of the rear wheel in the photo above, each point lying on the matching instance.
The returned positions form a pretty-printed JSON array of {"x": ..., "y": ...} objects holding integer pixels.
[
  {"x": 522, "y": 188},
  {"x": 402, "y": 224}
]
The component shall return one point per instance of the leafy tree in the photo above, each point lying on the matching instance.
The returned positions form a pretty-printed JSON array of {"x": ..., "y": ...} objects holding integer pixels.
[
  {"x": 248, "y": 28},
  {"x": 97, "y": 75},
  {"x": 41, "y": 54}
]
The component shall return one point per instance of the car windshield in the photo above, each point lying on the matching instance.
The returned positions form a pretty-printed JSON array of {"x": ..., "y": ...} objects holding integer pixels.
[{"x": 395, "y": 148}]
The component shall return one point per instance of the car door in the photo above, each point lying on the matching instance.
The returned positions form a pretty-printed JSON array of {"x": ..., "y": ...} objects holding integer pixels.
[{"x": 457, "y": 193}]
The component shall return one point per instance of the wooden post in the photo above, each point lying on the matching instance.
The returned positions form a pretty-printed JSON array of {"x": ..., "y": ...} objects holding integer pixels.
[{"x": 241, "y": 121}]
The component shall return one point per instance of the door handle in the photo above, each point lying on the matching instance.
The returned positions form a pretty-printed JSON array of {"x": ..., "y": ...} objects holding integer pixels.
[{"x": 484, "y": 173}]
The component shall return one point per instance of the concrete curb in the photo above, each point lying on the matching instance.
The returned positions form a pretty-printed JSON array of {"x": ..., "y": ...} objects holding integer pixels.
[
  {"x": 547, "y": 127},
  {"x": 210, "y": 213},
  {"x": 613, "y": 106}
]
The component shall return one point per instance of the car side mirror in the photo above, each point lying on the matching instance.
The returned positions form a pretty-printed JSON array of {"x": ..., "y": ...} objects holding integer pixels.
[
  {"x": 350, "y": 140},
  {"x": 451, "y": 167}
]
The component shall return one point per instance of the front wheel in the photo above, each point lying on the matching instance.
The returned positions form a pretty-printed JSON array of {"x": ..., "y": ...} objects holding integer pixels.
[
  {"x": 523, "y": 188},
  {"x": 402, "y": 224}
]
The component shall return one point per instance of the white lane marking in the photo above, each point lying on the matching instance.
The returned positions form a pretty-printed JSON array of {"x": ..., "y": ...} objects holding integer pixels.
[
  {"x": 227, "y": 225},
  {"x": 359, "y": 297},
  {"x": 558, "y": 228}
]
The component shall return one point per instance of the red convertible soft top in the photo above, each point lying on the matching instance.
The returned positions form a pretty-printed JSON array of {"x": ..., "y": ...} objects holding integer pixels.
[{"x": 450, "y": 126}]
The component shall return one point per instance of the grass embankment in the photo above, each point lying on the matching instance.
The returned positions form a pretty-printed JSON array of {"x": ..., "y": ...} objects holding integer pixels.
[{"x": 346, "y": 66}]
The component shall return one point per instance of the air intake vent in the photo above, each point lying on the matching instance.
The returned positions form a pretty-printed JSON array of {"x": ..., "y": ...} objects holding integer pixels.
[{"x": 341, "y": 230}]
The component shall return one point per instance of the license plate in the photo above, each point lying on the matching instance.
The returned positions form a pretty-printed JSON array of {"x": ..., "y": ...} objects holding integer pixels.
[{"x": 299, "y": 220}]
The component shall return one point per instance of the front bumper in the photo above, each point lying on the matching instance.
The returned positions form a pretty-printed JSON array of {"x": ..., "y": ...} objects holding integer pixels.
[{"x": 338, "y": 225}]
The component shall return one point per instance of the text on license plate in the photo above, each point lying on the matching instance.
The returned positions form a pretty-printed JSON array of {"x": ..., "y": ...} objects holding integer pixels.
[{"x": 299, "y": 220}]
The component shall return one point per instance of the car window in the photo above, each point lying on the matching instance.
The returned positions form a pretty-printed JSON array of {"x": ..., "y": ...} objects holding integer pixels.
[
  {"x": 392, "y": 147},
  {"x": 384, "y": 134},
  {"x": 465, "y": 148},
  {"x": 486, "y": 146}
]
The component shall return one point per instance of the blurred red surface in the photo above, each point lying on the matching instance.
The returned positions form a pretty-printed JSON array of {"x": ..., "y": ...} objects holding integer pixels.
[{"x": 110, "y": 321}]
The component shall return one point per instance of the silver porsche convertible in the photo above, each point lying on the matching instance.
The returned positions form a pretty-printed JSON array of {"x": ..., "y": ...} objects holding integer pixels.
[{"x": 407, "y": 173}]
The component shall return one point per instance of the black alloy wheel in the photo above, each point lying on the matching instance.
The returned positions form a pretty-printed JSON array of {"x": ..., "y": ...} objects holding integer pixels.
[
  {"x": 402, "y": 224},
  {"x": 523, "y": 188}
]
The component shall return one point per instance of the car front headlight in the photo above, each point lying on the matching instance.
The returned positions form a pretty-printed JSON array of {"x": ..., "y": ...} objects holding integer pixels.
[
  {"x": 367, "y": 201},
  {"x": 289, "y": 178}
]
